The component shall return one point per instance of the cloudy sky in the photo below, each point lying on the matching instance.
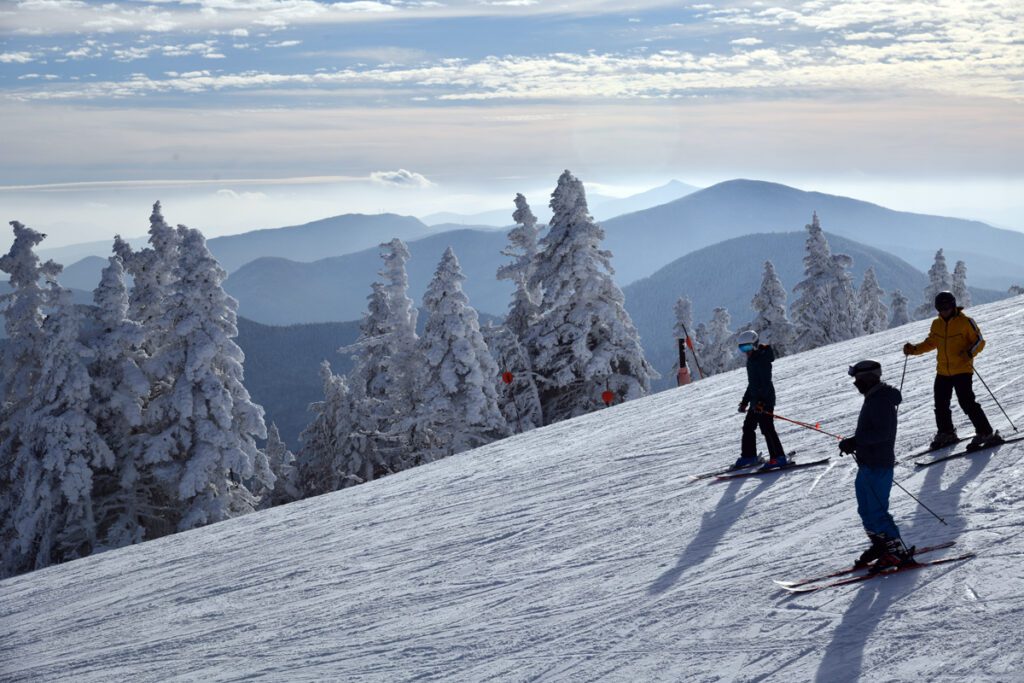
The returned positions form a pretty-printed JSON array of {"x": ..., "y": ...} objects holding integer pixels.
[{"x": 241, "y": 114}]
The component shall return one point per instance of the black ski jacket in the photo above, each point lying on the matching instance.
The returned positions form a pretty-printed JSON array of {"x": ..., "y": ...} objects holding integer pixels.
[
  {"x": 876, "y": 427},
  {"x": 759, "y": 378}
]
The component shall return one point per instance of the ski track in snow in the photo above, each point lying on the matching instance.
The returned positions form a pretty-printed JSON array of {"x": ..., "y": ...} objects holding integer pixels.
[{"x": 580, "y": 552}]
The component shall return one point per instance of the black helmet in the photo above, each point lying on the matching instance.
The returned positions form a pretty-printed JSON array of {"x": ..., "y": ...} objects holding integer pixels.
[
  {"x": 866, "y": 367},
  {"x": 944, "y": 301}
]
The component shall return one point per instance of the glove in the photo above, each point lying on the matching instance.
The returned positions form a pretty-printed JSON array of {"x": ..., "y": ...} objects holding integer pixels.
[
  {"x": 848, "y": 445},
  {"x": 743, "y": 406},
  {"x": 908, "y": 349}
]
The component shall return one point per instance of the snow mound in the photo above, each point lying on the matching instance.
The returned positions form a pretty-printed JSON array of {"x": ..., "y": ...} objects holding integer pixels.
[{"x": 581, "y": 551}]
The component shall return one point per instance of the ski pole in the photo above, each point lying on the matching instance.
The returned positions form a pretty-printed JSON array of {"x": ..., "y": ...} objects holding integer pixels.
[
  {"x": 905, "y": 359},
  {"x": 689, "y": 342},
  {"x": 804, "y": 425},
  {"x": 995, "y": 399}
]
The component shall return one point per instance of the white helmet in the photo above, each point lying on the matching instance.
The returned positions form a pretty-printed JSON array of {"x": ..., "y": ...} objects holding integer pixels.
[{"x": 748, "y": 337}]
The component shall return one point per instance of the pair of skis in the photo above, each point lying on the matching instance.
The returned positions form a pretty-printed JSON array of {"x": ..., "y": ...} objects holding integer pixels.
[
  {"x": 851, "y": 575},
  {"x": 754, "y": 470},
  {"x": 958, "y": 454}
]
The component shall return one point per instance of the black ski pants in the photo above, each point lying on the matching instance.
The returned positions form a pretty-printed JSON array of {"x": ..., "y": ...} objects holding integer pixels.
[
  {"x": 945, "y": 385},
  {"x": 753, "y": 420}
]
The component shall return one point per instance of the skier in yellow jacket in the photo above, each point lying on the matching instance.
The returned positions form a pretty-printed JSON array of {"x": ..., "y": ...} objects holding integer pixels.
[{"x": 958, "y": 340}]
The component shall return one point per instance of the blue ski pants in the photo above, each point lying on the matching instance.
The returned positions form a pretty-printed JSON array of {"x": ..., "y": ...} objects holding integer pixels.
[{"x": 873, "y": 485}]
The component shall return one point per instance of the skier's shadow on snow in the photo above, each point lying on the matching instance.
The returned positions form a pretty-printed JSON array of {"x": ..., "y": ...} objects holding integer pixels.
[
  {"x": 713, "y": 526},
  {"x": 844, "y": 656}
]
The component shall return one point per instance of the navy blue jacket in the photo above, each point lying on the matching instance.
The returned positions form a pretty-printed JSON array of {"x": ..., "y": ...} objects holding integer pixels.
[
  {"x": 759, "y": 378},
  {"x": 876, "y": 427}
]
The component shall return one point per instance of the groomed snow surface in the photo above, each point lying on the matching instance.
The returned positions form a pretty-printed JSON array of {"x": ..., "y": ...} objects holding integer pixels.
[{"x": 580, "y": 552}]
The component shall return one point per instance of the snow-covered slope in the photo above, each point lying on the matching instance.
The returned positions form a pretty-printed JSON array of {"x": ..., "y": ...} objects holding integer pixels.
[{"x": 578, "y": 552}]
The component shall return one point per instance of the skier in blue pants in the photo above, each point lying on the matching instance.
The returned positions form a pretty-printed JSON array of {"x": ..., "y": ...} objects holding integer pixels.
[{"x": 873, "y": 446}]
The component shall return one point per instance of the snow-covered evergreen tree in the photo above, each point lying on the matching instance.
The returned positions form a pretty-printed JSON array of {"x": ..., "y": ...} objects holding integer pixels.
[
  {"x": 282, "y": 464},
  {"x": 959, "y": 285},
  {"x": 771, "y": 322},
  {"x": 60, "y": 447},
  {"x": 584, "y": 341},
  {"x": 719, "y": 353},
  {"x": 1015, "y": 290},
  {"x": 939, "y": 280},
  {"x": 900, "y": 315},
  {"x": 522, "y": 247},
  {"x": 457, "y": 398},
  {"x": 153, "y": 271},
  {"x": 683, "y": 327},
  {"x": 873, "y": 314},
  {"x": 320, "y": 446},
  {"x": 824, "y": 311},
  {"x": 401, "y": 359},
  {"x": 201, "y": 422},
  {"x": 518, "y": 399},
  {"x": 126, "y": 493},
  {"x": 22, "y": 360}
]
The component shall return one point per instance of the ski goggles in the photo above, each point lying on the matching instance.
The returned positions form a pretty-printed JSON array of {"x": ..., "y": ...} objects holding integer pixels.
[{"x": 746, "y": 348}]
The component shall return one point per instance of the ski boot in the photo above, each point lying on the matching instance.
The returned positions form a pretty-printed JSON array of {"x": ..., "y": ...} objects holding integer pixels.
[
  {"x": 943, "y": 439},
  {"x": 895, "y": 554},
  {"x": 745, "y": 461},
  {"x": 985, "y": 441},
  {"x": 873, "y": 553},
  {"x": 776, "y": 463}
]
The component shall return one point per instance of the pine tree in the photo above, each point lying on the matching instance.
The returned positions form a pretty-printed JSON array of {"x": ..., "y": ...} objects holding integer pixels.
[
  {"x": 320, "y": 447},
  {"x": 457, "y": 399},
  {"x": 518, "y": 399},
  {"x": 824, "y": 311},
  {"x": 1015, "y": 290},
  {"x": 682, "y": 329},
  {"x": 900, "y": 315},
  {"x": 771, "y": 322},
  {"x": 720, "y": 352},
  {"x": 126, "y": 492},
  {"x": 939, "y": 280},
  {"x": 873, "y": 313},
  {"x": 522, "y": 247},
  {"x": 400, "y": 355},
  {"x": 202, "y": 424},
  {"x": 153, "y": 272},
  {"x": 282, "y": 464},
  {"x": 584, "y": 341},
  {"x": 60, "y": 447},
  {"x": 959, "y": 285},
  {"x": 21, "y": 364}
]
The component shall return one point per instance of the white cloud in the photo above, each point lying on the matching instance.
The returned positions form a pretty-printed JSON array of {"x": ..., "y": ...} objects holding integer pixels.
[
  {"x": 16, "y": 57},
  {"x": 746, "y": 41},
  {"x": 284, "y": 43},
  {"x": 400, "y": 178}
]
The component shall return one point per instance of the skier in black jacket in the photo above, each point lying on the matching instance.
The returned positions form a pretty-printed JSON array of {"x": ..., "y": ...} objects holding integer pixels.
[
  {"x": 761, "y": 394},
  {"x": 873, "y": 447}
]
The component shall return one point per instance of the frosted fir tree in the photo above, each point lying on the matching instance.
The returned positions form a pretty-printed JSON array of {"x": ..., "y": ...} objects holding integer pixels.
[
  {"x": 320, "y": 446},
  {"x": 153, "y": 272},
  {"x": 401, "y": 356},
  {"x": 682, "y": 329},
  {"x": 366, "y": 452},
  {"x": 584, "y": 342},
  {"x": 523, "y": 248},
  {"x": 1015, "y": 290},
  {"x": 60, "y": 447},
  {"x": 202, "y": 423},
  {"x": 771, "y": 321},
  {"x": 959, "y": 285},
  {"x": 824, "y": 311},
  {"x": 22, "y": 356},
  {"x": 518, "y": 399},
  {"x": 873, "y": 313},
  {"x": 127, "y": 495},
  {"x": 282, "y": 464},
  {"x": 939, "y": 280},
  {"x": 457, "y": 398},
  {"x": 898, "y": 305},
  {"x": 719, "y": 353}
]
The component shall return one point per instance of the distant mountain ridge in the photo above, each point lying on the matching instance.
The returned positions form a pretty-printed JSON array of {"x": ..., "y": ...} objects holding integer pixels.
[{"x": 647, "y": 240}]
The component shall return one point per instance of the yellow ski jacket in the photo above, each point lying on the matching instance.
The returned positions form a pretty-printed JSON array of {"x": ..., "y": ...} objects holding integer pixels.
[{"x": 958, "y": 341}]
